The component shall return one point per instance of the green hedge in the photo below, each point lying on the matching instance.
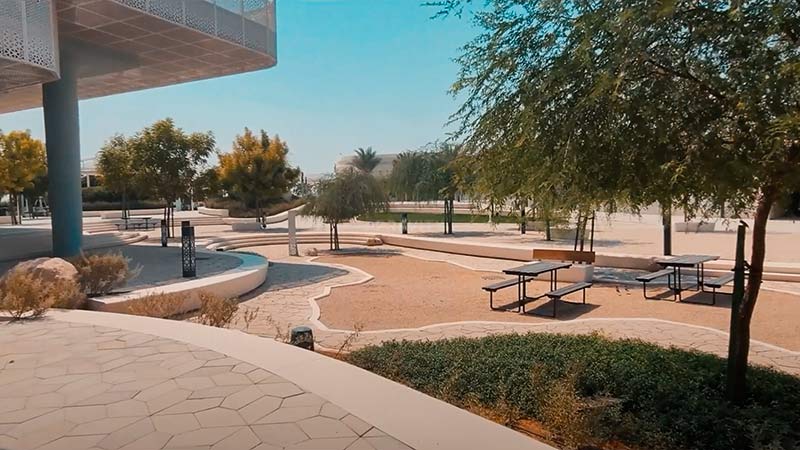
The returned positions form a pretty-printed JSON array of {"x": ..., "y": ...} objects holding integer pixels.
[{"x": 590, "y": 390}]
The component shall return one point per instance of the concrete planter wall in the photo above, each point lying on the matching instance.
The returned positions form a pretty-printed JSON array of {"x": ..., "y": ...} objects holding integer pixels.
[
  {"x": 5, "y": 220},
  {"x": 212, "y": 211},
  {"x": 577, "y": 273},
  {"x": 695, "y": 227}
]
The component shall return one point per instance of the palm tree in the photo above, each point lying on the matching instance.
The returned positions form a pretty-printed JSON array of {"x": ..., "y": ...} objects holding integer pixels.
[{"x": 366, "y": 159}]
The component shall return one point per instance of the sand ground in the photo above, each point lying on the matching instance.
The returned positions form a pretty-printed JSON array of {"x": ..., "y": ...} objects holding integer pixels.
[{"x": 408, "y": 292}]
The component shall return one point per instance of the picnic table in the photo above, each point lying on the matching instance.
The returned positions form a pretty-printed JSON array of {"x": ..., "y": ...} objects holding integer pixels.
[
  {"x": 677, "y": 263},
  {"x": 531, "y": 271},
  {"x": 137, "y": 222}
]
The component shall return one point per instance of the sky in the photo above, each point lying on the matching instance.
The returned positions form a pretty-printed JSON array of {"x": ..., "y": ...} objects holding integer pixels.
[{"x": 350, "y": 73}]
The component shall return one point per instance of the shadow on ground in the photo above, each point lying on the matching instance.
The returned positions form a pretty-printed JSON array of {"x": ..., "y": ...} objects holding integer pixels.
[{"x": 288, "y": 276}]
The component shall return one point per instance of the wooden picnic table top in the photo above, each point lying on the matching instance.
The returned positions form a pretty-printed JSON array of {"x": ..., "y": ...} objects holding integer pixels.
[
  {"x": 537, "y": 268},
  {"x": 686, "y": 260}
]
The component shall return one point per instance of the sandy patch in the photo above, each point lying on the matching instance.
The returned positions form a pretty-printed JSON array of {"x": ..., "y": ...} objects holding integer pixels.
[{"x": 408, "y": 292}]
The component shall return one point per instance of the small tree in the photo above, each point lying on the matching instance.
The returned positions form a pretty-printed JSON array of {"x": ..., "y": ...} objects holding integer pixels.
[
  {"x": 22, "y": 162},
  {"x": 366, "y": 159},
  {"x": 343, "y": 197},
  {"x": 167, "y": 160},
  {"x": 115, "y": 164},
  {"x": 257, "y": 170}
]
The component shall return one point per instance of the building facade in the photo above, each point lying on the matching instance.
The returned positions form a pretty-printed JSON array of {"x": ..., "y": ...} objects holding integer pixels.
[{"x": 54, "y": 53}]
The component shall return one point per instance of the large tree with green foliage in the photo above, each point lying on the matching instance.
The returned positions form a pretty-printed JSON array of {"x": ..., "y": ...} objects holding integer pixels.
[
  {"x": 256, "y": 170},
  {"x": 690, "y": 103},
  {"x": 365, "y": 159},
  {"x": 115, "y": 164},
  {"x": 167, "y": 159},
  {"x": 22, "y": 162},
  {"x": 344, "y": 196},
  {"x": 426, "y": 175}
]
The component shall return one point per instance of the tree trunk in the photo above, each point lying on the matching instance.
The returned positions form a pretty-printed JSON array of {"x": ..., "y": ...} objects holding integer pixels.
[
  {"x": 12, "y": 202},
  {"x": 330, "y": 236},
  {"x": 522, "y": 223},
  {"x": 547, "y": 236},
  {"x": 739, "y": 345},
  {"x": 336, "y": 236},
  {"x": 666, "y": 223}
]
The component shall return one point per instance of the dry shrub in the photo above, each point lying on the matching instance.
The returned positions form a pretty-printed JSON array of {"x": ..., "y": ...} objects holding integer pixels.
[
  {"x": 574, "y": 420},
  {"x": 312, "y": 252},
  {"x": 158, "y": 305},
  {"x": 24, "y": 294},
  {"x": 216, "y": 311},
  {"x": 99, "y": 274}
]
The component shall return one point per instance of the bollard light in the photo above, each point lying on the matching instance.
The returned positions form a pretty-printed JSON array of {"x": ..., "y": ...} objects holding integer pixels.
[
  {"x": 302, "y": 337},
  {"x": 188, "y": 254},
  {"x": 404, "y": 221}
]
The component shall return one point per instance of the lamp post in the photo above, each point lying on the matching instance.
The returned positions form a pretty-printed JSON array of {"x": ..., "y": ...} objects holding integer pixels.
[
  {"x": 164, "y": 233},
  {"x": 404, "y": 221},
  {"x": 188, "y": 255}
]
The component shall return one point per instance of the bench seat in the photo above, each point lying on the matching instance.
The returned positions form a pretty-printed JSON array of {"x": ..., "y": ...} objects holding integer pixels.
[
  {"x": 648, "y": 277},
  {"x": 719, "y": 281},
  {"x": 653, "y": 275},
  {"x": 560, "y": 292},
  {"x": 500, "y": 285}
]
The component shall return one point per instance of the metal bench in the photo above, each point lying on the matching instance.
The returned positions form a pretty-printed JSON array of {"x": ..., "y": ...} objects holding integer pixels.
[
  {"x": 494, "y": 287},
  {"x": 646, "y": 278},
  {"x": 717, "y": 283},
  {"x": 566, "y": 290}
]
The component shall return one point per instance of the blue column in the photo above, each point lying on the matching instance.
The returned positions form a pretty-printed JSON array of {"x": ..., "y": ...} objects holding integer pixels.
[{"x": 62, "y": 133}]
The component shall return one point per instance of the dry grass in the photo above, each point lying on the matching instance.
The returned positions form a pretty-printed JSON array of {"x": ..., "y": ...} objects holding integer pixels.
[
  {"x": 161, "y": 305},
  {"x": 24, "y": 294},
  {"x": 100, "y": 274},
  {"x": 216, "y": 311}
]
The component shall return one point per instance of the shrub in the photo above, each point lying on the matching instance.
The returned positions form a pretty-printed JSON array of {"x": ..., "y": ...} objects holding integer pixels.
[
  {"x": 161, "y": 305},
  {"x": 24, "y": 294},
  {"x": 216, "y": 311},
  {"x": 99, "y": 274},
  {"x": 626, "y": 391}
]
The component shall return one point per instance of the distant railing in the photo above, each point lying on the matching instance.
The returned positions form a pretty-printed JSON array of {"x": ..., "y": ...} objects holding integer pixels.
[{"x": 249, "y": 23}]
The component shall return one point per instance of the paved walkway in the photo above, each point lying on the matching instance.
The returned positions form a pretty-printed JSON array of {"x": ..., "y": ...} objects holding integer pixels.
[
  {"x": 75, "y": 386},
  {"x": 282, "y": 309}
]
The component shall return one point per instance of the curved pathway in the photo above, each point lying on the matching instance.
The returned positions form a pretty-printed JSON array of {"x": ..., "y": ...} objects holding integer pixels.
[{"x": 280, "y": 310}]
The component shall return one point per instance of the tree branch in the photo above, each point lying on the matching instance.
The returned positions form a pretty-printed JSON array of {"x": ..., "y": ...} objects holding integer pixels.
[{"x": 688, "y": 76}]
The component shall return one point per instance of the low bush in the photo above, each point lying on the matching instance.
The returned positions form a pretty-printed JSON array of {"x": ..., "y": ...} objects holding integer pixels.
[
  {"x": 588, "y": 390},
  {"x": 101, "y": 273},
  {"x": 163, "y": 305},
  {"x": 216, "y": 311},
  {"x": 237, "y": 209},
  {"x": 24, "y": 294}
]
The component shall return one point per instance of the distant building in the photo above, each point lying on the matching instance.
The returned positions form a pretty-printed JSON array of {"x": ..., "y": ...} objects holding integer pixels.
[{"x": 382, "y": 170}]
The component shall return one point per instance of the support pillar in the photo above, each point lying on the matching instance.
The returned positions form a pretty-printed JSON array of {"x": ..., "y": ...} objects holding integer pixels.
[{"x": 62, "y": 134}]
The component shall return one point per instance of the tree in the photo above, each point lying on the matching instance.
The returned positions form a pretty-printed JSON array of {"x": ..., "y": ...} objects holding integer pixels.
[
  {"x": 617, "y": 102},
  {"x": 428, "y": 174},
  {"x": 22, "y": 162},
  {"x": 256, "y": 170},
  {"x": 343, "y": 197},
  {"x": 115, "y": 164},
  {"x": 206, "y": 184},
  {"x": 366, "y": 159},
  {"x": 167, "y": 160}
]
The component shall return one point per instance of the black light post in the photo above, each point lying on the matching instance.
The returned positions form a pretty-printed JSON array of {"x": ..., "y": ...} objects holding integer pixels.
[
  {"x": 164, "y": 233},
  {"x": 404, "y": 221},
  {"x": 188, "y": 255}
]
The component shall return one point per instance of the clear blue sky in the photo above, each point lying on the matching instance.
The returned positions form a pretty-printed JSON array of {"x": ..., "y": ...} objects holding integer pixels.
[{"x": 350, "y": 73}]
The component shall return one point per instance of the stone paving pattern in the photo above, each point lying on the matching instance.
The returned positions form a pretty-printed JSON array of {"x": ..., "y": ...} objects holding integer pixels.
[
  {"x": 279, "y": 310},
  {"x": 74, "y": 386}
]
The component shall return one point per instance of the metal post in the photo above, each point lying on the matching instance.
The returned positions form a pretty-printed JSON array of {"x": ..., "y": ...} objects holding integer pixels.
[
  {"x": 188, "y": 256},
  {"x": 164, "y": 233},
  {"x": 292, "y": 233},
  {"x": 404, "y": 221}
]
